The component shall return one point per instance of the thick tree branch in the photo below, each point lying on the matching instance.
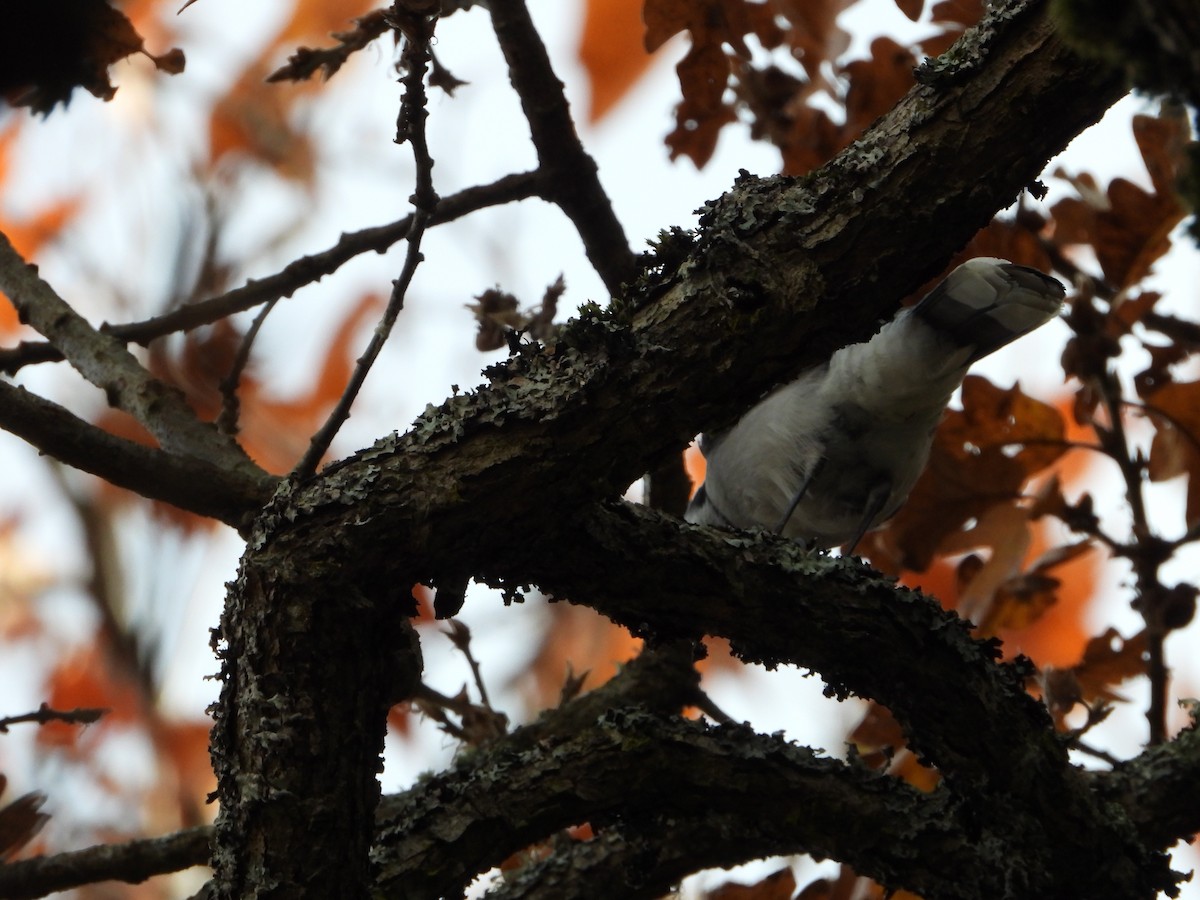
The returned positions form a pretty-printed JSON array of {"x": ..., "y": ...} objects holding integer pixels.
[
  {"x": 1160, "y": 789},
  {"x": 654, "y": 844},
  {"x": 635, "y": 766},
  {"x": 191, "y": 484}
]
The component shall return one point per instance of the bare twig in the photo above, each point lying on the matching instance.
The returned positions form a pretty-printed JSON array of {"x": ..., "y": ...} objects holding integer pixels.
[
  {"x": 227, "y": 421},
  {"x": 571, "y": 175},
  {"x": 43, "y": 714},
  {"x": 460, "y": 636},
  {"x": 1146, "y": 552},
  {"x": 108, "y": 365},
  {"x": 410, "y": 127},
  {"x": 295, "y": 275},
  {"x": 133, "y": 862},
  {"x": 478, "y": 723}
]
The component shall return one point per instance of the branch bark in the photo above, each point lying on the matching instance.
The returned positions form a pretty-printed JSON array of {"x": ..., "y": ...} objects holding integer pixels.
[
  {"x": 106, "y": 363},
  {"x": 230, "y": 496}
]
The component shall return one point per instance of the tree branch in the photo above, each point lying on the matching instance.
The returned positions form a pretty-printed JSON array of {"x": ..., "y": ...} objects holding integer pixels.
[
  {"x": 43, "y": 714},
  {"x": 104, "y": 362},
  {"x": 191, "y": 484},
  {"x": 410, "y": 128},
  {"x": 571, "y": 177},
  {"x": 133, "y": 862},
  {"x": 655, "y": 843},
  {"x": 631, "y": 764},
  {"x": 295, "y": 275}
]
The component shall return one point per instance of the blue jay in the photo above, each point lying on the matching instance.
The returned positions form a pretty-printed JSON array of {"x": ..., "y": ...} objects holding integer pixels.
[{"x": 827, "y": 457}]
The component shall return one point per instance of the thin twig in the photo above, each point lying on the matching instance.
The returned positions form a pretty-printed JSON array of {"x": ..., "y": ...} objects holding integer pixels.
[
  {"x": 1144, "y": 553},
  {"x": 132, "y": 862},
  {"x": 410, "y": 127},
  {"x": 78, "y": 716},
  {"x": 297, "y": 274},
  {"x": 460, "y": 636},
  {"x": 227, "y": 421},
  {"x": 479, "y": 724}
]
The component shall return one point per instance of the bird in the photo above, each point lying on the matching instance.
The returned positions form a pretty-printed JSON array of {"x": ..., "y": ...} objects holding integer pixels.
[{"x": 827, "y": 457}]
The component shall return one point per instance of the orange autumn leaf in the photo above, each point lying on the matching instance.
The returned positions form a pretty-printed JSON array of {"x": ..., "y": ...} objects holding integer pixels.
[
  {"x": 1027, "y": 587},
  {"x": 1108, "y": 660},
  {"x": 315, "y": 20},
  {"x": 1128, "y": 227},
  {"x": 953, "y": 17},
  {"x": 705, "y": 70},
  {"x": 1175, "y": 449},
  {"x": 185, "y": 744},
  {"x": 612, "y": 52},
  {"x": 779, "y": 885},
  {"x": 981, "y": 456},
  {"x": 84, "y": 679},
  {"x": 693, "y": 463},
  {"x": 254, "y": 120},
  {"x": 274, "y": 433},
  {"x": 1025, "y": 597},
  {"x": 876, "y": 83},
  {"x": 27, "y": 237},
  {"x": 581, "y": 641}
]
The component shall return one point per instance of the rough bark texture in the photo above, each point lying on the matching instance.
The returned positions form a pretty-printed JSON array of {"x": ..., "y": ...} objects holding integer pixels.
[{"x": 507, "y": 483}]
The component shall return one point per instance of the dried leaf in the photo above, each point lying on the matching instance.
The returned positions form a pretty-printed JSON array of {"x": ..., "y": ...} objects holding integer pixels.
[
  {"x": 664, "y": 19},
  {"x": 51, "y": 47},
  {"x": 981, "y": 457},
  {"x": 702, "y": 112},
  {"x": 20, "y": 821},
  {"x": 1022, "y": 600},
  {"x": 954, "y": 17},
  {"x": 314, "y": 20},
  {"x": 875, "y": 84},
  {"x": 612, "y": 52},
  {"x": 1175, "y": 449},
  {"x": 1004, "y": 529},
  {"x": 254, "y": 121},
  {"x": 1162, "y": 141},
  {"x": 720, "y": 58},
  {"x": 1128, "y": 227},
  {"x": 877, "y": 736},
  {"x": 1108, "y": 660},
  {"x": 962, "y": 12},
  {"x": 1017, "y": 240},
  {"x": 578, "y": 640},
  {"x": 816, "y": 38}
]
